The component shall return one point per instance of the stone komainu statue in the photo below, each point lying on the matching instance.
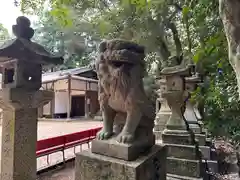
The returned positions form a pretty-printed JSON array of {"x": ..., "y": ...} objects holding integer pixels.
[{"x": 127, "y": 112}]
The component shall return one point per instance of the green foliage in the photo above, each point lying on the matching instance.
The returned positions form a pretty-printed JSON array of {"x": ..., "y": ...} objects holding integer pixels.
[
  {"x": 166, "y": 28},
  {"x": 65, "y": 41},
  {"x": 4, "y": 35}
]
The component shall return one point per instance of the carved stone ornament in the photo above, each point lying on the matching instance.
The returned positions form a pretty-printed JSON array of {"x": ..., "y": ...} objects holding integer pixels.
[
  {"x": 21, "y": 59},
  {"x": 21, "y": 65},
  {"x": 123, "y": 101},
  {"x": 175, "y": 95}
]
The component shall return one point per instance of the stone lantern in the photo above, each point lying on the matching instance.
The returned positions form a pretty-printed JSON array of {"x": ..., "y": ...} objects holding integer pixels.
[
  {"x": 175, "y": 94},
  {"x": 181, "y": 158},
  {"x": 162, "y": 114},
  {"x": 21, "y": 63}
]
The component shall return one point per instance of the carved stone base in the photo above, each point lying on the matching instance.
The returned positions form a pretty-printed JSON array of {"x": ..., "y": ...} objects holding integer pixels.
[
  {"x": 182, "y": 159},
  {"x": 195, "y": 128},
  {"x": 183, "y": 167},
  {"x": 187, "y": 151},
  {"x": 177, "y": 177},
  {"x": 90, "y": 166},
  {"x": 184, "y": 138},
  {"x": 160, "y": 124},
  {"x": 127, "y": 152}
]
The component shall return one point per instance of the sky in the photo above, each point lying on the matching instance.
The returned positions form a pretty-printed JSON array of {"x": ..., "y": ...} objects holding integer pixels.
[{"x": 8, "y": 13}]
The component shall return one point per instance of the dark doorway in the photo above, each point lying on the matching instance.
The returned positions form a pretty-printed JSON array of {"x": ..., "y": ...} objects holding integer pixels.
[{"x": 78, "y": 106}]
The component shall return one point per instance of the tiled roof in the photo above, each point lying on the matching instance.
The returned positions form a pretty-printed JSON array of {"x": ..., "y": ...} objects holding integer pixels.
[{"x": 51, "y": 76}]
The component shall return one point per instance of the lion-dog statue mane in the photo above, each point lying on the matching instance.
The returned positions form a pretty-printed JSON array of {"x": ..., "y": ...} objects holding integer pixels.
[{"x": 126, "y": 110}]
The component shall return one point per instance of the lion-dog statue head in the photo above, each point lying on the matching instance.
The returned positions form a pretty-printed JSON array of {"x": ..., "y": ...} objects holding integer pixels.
[{"x": 123, "y": 102}]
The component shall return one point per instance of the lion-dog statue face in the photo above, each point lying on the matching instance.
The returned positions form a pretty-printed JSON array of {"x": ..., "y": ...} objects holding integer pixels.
[{"x": 120, "y": 69}]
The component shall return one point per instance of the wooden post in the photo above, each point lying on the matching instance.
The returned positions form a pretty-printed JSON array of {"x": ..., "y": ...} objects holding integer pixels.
[
  {"x": 52, "y": 102},
  {"x": 69, "y": 98},
  {"x": 86, "y": 105}
]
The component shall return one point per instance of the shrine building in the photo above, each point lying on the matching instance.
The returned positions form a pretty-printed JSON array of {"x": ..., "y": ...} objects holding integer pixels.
[{"x": 75, "y": 93}]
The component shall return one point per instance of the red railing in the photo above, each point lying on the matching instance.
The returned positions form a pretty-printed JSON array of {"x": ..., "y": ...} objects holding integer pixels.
[{"x": 48, "y": 146}]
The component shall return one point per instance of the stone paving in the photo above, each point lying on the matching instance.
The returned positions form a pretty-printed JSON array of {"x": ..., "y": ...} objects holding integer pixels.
[{"x": 47, "y": 129}]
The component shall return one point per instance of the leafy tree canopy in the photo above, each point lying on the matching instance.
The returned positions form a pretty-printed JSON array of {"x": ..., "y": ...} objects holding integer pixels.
[{"x": 173, "y": 32}]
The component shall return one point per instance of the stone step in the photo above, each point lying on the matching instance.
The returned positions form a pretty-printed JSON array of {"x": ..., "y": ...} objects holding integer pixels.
[
  {"x": 183, "y": 139},
  {"x": 212, "y": 166},
  {"x": 209, "y": 141},
  {"x": 189, "y": 168},
  {"x": 195, "y": 128},
  {"x": 187, "y": 151},
  {"x": 183, "y": 167},
  {"x": 176, "y": 177}
]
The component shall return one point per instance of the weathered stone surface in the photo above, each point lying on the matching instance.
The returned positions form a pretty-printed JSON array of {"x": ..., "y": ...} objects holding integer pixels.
[
  {"x": 21, "y": 64},
  {"x": 213, "y": 166},
  {"x": 183, "y": 157},
  {"x": 182, "y": 138},
  {"x": 129, "y": 152},
  {"x": 201, "y": 138},
  {"x": 195, "y": 128},
  {"x": 177, "y": 177},
  {"x": 160, "y": 124},
  {"x": 127, "y": 113},
  {"x": 187, "y": 151},
  {"x": 163, "y": 114},
  {"x": 183, "y": 167},
  {"x": 91, "y": 166},
  {"x": 189, "y": 114},
  {"x": 19, "y": 132},
  {"x": 206, "y": 152}
]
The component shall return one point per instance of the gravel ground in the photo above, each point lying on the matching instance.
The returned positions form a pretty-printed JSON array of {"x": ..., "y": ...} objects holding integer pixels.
[{"x": 63, "y": 173}]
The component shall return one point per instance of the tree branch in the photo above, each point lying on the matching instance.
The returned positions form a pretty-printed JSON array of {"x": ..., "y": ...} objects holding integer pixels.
[{"x": 176, "y": 39}]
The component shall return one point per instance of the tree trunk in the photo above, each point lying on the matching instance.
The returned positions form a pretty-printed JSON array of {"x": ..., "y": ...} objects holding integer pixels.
[{"x": 230, "y": 15}]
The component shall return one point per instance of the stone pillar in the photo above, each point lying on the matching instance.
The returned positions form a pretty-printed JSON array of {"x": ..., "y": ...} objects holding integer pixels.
[
  {"x": 21, "y": 61},
  {"x": 157, "y": 105},
  {"x": 163, "y": 114},
  {"x": 199, "y": 118},
  {"x": 19, "y": 132},
  {"x": 189, "y": 114}
]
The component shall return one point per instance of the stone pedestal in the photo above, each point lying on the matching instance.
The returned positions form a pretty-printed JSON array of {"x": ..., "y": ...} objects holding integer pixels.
[
  {"x": 125, "y": 147},
  {"x": 182, "y": 159},
  {"x": 163, "y": 114},
  {"x": 191, "y": 118},
  {"x": 19, "y": 132},
  {"x": 126, "y": 152},
  {"x": 149, "y": 166},
  {"x": 21, "y": 63}
]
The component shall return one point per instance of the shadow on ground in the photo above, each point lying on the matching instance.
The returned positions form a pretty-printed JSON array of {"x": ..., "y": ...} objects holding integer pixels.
[{"x": 60, "y": 173}]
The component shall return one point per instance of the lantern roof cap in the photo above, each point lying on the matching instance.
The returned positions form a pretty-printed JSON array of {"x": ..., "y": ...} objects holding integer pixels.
[
  {"x": 22, "y": 48},
  {"x": 175, "y": 71}
]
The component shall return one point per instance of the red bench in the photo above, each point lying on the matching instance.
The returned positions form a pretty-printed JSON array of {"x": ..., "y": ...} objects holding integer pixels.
[{"x": 48, "y": 146}]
